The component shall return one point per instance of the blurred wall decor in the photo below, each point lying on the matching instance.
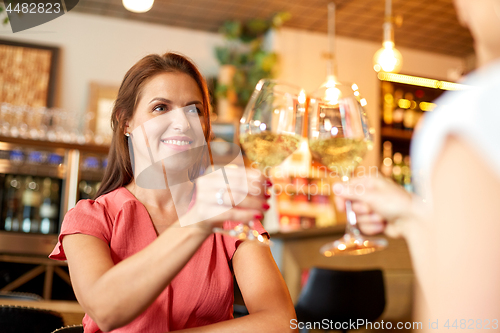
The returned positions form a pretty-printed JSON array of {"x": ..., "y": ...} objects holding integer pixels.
[
  {"x": 97, "y": 119},
  {"x": 27, "y": 73}
]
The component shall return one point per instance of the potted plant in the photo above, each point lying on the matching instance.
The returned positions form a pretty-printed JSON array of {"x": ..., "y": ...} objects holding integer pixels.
[{"x": 244, "y": 60}]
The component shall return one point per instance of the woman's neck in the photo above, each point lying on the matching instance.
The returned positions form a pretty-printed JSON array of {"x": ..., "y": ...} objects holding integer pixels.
[{"x": 164, "y": 197}]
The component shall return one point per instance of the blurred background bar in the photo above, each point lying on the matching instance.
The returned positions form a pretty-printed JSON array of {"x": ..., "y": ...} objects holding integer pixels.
[{"x": 58, "y": 82}]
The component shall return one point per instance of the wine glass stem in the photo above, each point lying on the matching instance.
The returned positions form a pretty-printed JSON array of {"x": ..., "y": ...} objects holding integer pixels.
[{"x": 351, "y": 226}]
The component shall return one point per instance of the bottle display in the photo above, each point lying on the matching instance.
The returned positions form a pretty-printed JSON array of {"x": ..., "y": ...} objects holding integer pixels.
[
  {"x": 403, "y": 105},
  {"x": 49, "y": 209},
  {"x": 31, "y": 205},
  {"x": 31, "y": 190},
  {"x": 11, "y": 203},
  {"x": 396, "y": 166}
]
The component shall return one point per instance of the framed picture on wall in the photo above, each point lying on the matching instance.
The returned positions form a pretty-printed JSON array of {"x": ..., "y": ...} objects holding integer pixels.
[
  {"x": 27, "y": 73},
  {"x": 98, "y": 118}
]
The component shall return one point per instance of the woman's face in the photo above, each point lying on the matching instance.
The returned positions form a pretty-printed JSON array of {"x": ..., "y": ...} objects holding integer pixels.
[
  {"x": 482, "y": 17},
  {"x": 168, "y": 123}
]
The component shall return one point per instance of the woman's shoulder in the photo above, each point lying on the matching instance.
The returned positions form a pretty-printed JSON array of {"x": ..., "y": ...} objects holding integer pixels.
[{"x": 110, "y": 203}]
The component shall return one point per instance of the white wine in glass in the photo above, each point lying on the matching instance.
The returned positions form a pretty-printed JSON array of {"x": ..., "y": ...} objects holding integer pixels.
[
  {"x": 273, "y": 122},
  {"x": 339, "y": 137}
]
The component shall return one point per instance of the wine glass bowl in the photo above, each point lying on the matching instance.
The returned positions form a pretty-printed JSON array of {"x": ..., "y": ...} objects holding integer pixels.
[
  {"x": 272, "y": 124},
  {"x": 339, "y": 137}
]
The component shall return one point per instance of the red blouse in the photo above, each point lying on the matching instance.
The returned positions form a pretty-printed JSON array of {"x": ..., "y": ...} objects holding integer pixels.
[{"x": 202, "y": 292}]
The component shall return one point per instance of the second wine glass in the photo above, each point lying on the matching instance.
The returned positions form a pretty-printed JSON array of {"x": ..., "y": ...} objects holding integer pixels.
[{"x": 339, "y": 137}]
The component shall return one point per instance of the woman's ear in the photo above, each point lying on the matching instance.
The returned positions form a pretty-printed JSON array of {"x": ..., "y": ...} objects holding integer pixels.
[{"x": 126, "y": 129}]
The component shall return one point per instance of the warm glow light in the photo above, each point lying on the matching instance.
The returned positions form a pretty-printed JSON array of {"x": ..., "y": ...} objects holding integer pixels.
[
  {"x": 262, "y": 127},
  {"x": 256, "y": 123},
  {"x": 404, "y": 103},
  {"x": 328, "y": 253},
  {"x": 362, "y": 102},
  {"x": 138, "y": 6},
  {"x": 334, "y": 131},
  {"x": 332, "y": 93},
  {"x": 354, "y": 87},
  {"x": 302, "y": 97},
  {"x": 259, "y": 85},
  {"x": 342, "y": 247},
  {"x": 387, "y": 59},
  {"x": 420, "y": 81},
  {"x": 328, "y": 125},
  {"x": 356, "y": 93},
  {"x": 425, "y": 106}
]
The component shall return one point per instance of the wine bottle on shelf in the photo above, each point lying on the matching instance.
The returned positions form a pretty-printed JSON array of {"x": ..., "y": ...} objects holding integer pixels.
[
  {"x": 386, "y": 167},
  {"x": 406, "y": 170},
  {"x": 409, "y": 119},
  {"x": 31, "y": 203},
  {"x": 49, "y": 206},
  {"x": 12, "y": 184},
  {"x": 397, "y": 118},
  {"x": 397, "y": 173}
]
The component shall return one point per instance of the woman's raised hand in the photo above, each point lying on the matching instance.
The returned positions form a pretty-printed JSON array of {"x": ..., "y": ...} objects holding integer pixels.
[
  {"x": 244, "y": 200},
  {"x": 379, "y": 203}
]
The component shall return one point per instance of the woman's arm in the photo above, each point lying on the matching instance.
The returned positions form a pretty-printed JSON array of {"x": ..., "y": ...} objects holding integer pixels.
[
  {"x": 113, "y": 295},
  {"x": 264, "y": 291},
  {"x": 464, "y": 280}
]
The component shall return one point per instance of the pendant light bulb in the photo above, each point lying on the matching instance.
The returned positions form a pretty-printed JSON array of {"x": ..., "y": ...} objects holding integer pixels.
[
  {"x": 387, "y": 59},
  {"x": 138, "y": 6}
]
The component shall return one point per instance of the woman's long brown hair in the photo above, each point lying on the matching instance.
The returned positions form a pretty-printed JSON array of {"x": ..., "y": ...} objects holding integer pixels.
[{"x": 119, "y": 171}]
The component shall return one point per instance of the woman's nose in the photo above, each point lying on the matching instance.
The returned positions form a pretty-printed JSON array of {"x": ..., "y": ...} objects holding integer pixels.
[{"x": 180, "y": 121}]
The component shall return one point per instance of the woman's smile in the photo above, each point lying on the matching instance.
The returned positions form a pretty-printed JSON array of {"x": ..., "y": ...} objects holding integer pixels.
[{"x": 179, "y": 143}]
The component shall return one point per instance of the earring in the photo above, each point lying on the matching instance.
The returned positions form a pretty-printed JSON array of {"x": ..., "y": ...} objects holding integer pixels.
[{"x": 127, "y": 134}]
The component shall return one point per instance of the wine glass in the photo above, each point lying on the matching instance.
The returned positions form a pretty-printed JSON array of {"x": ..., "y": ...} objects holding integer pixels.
[
  {"x": 339, "y": 137},
  {"x": 272, "y": 125}
]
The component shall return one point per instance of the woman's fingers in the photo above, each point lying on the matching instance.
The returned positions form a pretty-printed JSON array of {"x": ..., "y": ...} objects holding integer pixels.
[{"x": 232, "y": 195}]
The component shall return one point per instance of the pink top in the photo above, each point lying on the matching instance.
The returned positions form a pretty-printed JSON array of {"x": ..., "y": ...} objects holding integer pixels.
[{"x": 202, "y": 292}]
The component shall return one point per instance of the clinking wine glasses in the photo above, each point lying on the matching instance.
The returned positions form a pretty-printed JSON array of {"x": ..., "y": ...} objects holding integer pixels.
[{"x": 339, "y": 137}]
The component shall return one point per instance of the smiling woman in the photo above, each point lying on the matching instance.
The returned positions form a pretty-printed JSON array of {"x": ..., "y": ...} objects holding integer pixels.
[{"x": 132, "y": 266}]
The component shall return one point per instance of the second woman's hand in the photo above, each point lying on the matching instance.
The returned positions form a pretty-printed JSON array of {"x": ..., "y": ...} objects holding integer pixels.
[{"x": 380, "y": 204}]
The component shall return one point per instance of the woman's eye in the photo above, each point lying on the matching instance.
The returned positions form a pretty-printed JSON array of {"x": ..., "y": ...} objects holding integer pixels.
[
  {"x": 195, "y": 111},
  {"x": 160, "y": 108}
]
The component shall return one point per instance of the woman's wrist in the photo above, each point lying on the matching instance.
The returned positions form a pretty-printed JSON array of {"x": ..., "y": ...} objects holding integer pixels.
[{"x": 410, "y": 212}]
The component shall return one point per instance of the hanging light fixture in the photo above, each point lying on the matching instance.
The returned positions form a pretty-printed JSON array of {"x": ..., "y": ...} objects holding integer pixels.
[
  {"x": 388, "y": 59},
  {"x": 138, "y": 6},
  {"x": 332, "y": 93}
]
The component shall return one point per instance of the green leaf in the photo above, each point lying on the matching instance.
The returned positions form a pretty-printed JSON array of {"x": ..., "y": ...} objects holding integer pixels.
[
  {"x": 221, "y": 90},
  {"x": 6, "y": 20},
  {"x": 223, "y": 55},
  {"x": 231, "y": 29},
  {"x": 281, "y": 18}
]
